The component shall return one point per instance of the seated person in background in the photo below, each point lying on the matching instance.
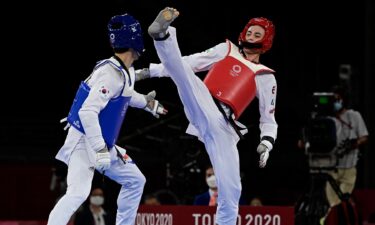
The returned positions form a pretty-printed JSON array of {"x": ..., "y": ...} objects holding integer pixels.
[
  {"x": 161, "y": 197},
  {"x": 93, "y": 213},
  {"x": 210, "y": 197},
  {"x": 256, "y": 201},
  {"x": 151, "y": 199}
]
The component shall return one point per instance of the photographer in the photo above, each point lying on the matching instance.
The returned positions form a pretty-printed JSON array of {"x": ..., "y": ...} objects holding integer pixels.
[
  {"x": 341, "y": 131},
  {"x": 351, "y": 134}
]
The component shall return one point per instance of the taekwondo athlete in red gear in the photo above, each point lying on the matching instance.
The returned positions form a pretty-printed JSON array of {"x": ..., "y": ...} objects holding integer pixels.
[
  {"x": 96, "y": 117},
  {"x": 212, "y": 107}
]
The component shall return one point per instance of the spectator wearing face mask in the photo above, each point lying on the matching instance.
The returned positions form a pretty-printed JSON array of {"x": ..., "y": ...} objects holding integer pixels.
[
  {"x": 210, "y": 196},
  {"x": 93, "y": 213}
]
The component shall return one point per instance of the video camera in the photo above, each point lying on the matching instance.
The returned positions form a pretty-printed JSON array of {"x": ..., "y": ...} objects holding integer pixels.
[
  {"x": 320, "y": 132},
  {"x": 323, "y": 104}
]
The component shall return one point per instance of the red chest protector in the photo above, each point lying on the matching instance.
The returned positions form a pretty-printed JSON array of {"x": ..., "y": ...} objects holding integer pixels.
[{"x": 232, "y": 80}]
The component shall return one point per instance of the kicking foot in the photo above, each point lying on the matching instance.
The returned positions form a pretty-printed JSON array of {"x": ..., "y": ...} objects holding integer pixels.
[{"x": 158, "y": 29}]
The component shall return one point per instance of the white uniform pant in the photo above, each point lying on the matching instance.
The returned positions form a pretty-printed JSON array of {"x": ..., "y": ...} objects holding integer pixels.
[
  {"x": 79, "y": 179},
  {"x": 217, "y": 134}
]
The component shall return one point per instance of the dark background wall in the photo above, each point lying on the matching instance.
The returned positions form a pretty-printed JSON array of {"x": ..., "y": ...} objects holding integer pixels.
[{"x": 50, "y": 47}]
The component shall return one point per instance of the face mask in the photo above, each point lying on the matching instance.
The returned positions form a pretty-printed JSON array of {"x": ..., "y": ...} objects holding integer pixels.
[
  {"x": 97, "y": 200},
  {"x": 211, "y": 181},
  {"x": 337, "y": 105}
]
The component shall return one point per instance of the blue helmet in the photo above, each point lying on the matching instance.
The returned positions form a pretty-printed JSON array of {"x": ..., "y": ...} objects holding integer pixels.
[{"x": 125, "y": 32}]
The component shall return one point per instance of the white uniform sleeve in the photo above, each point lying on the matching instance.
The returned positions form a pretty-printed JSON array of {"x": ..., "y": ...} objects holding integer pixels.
[
  {"x": 266, "y": 93},
  {"x": 105, "y": 83},
  {"x": 198, "y": 62},
  {"x": 204, "y": 61},
  {"x": 138, "y": 100}
]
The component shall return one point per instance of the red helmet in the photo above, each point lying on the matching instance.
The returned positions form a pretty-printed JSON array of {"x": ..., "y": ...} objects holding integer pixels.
[{"x": 268, "y": 35}]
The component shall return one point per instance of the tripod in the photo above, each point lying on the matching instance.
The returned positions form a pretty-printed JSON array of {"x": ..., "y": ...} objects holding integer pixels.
[{"x": 314, "y": 204}]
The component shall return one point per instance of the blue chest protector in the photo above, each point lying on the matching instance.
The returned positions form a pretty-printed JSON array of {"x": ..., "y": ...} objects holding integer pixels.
[{"x": 110, "y": 118}]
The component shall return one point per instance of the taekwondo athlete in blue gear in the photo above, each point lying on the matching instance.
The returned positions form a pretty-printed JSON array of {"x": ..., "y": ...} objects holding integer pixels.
[{"x": 96, "y": 117}]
